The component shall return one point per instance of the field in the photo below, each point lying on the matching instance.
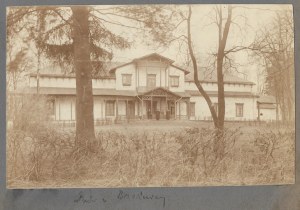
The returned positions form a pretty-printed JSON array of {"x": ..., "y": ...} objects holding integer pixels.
[{"x": 153, "y": 153}]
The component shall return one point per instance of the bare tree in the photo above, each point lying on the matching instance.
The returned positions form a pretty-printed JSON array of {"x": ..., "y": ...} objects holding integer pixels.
[
  {"x": 222, "y": 40},
  {"x": 274, "y": 47}
]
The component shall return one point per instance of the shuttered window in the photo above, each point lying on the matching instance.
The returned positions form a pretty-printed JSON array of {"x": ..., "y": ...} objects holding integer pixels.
[
  {"x": 174, "y": 81},
  {"x": 126, "y": 79},
  {"x": 192, "y": 109},
  {"x": 151, "y": 80},
  {"x": 239, "y": 110},
  {"x": 110, "y": 108}
]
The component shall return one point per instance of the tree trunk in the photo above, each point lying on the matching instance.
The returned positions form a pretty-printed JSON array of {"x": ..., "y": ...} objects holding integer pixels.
[
  {"x": 196, "y": 79},
  {"x": 85, "y": 132},
  {"x": 221, "y": 54}
]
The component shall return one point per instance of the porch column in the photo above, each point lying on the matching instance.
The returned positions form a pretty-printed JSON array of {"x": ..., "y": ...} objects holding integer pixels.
[
  {"x": 117, "y": 111},
  {"x": 189, "y": 109},
  {"x": 179, "y": 111},
  {"x": 151, "y": 108},
  {"x": 175, "y": 104},
  {"x": 127, "y": 114},
  {"x": 102, "y": 108},
  {"x": 142, "y": 108},
  {"x": 167, "y": 108}
]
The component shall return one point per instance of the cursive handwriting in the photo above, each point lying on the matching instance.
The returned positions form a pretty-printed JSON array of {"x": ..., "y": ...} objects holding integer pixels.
[
  {"x": 83, "y": 198},
  {"x": 87, "y": 197},
  {"x": 140, "y": 196}
]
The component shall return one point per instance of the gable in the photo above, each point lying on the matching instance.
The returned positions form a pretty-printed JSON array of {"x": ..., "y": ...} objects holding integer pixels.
[
  {"x": 161, "y": 92},
  {"x": 151, "y": 58}
]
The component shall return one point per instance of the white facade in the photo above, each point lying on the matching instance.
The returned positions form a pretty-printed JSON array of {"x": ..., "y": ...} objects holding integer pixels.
[{"x": 152, "y": 83}]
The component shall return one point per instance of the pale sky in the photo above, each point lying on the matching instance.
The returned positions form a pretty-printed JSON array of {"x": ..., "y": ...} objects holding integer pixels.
[{"x": 248, "y": 18}]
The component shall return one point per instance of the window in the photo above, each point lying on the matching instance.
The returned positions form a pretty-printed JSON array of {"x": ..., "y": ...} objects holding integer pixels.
[
  {"x": 192, "y": 109},
  {"x": 174, "y": 81},
  {"x": 110, "y": 108},
  {"x": 216, "y": 107},
  {"x": 151, "y": 80},
  {"x": 126, "y": 79},
  {"x": 51, "y": 106},
  {"x": 239, "y": 110}
]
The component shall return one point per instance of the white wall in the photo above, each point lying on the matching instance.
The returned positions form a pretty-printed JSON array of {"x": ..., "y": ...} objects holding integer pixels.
[
  {"x": 202, "y": 111},
  {"x": 65, "y": 108},
  {"x": 268, "y": 114},
  {"x": 70, "y": 82},
  {"x": 99, "y": 109},
  {"x": 151, "y": 67}
]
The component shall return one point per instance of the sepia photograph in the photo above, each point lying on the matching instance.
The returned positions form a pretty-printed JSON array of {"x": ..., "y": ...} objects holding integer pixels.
[{"x": 153, "y": 95}]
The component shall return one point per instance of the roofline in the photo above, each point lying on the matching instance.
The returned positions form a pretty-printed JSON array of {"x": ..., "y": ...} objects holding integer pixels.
[
  {"x": 136, "y": 59},
  {"x": 227, "y": 93},
  {"x": 149, "y": 91},
  {"x": 184, "y": 70},
  {"x": 66, "y": 76},
  {"x": 225, "y": 82},
  {"x": 124, "y": 64},
  {"x": 151, "y": 54}
]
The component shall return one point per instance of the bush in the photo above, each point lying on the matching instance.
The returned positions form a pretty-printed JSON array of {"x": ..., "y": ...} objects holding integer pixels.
[{"x": 207, "y": 149}]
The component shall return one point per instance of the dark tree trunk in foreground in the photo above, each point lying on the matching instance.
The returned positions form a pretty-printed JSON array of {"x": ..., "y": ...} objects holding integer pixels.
[
  {"x": 223, "y": 35},
  {"x": 85, "y": 132}
]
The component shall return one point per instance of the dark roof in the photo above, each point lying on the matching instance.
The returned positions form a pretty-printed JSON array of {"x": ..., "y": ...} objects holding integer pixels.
[
  {"x": 227, "y": 93},
  {"x": 266, "y": 99},
  {"x": 228, "y": 78}
]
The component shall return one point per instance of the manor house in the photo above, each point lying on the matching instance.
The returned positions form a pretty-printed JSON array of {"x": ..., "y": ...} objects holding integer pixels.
[{"x": 149, "y": 87}]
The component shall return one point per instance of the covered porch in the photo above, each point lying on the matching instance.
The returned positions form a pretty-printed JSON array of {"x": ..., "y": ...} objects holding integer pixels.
[{"x": 161, "y": 103}]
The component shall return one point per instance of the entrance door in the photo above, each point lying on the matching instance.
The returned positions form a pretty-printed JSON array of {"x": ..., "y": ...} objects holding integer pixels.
[
  {"x": 171, "y": 108},
  {"x": 131, "y": 109},
  {"x": 151, "y": 110}
]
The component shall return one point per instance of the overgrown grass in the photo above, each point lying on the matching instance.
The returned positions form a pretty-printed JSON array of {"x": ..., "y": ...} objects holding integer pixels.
[{"x": 191, "y": 156}]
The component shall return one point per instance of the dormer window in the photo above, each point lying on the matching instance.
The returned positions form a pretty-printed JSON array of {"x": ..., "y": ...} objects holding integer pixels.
[
  {"x": 151, "y": 80},
  {"x": 174, "y": 81},
  {"x": 126, "y": 79}
]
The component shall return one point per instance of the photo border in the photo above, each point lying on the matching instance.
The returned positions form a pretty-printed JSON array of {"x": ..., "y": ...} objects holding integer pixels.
[{"x": 227, "y": 197}]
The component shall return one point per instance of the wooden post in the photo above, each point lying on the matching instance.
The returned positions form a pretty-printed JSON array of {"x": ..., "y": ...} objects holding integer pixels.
[
  {"x": 58, "y": 109},
  {"x": 179, "y": 111},
  {"x": 151, "y": 107},
  {"x": 127, "y": 114},
  {"x": 142, "y": 108},
  {"x": 189, "y": 109},
  {"x": 117, "y": 111},
  {"x": 175, "y": 115},
  {"x": 102, "y": 108},
  {"x": 55, "y": 109}
]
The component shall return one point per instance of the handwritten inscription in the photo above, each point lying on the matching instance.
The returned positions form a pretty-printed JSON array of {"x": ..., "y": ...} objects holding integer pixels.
[
  {"x": 87, "y": 197},
  {"x": 140, "y": 196}
]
